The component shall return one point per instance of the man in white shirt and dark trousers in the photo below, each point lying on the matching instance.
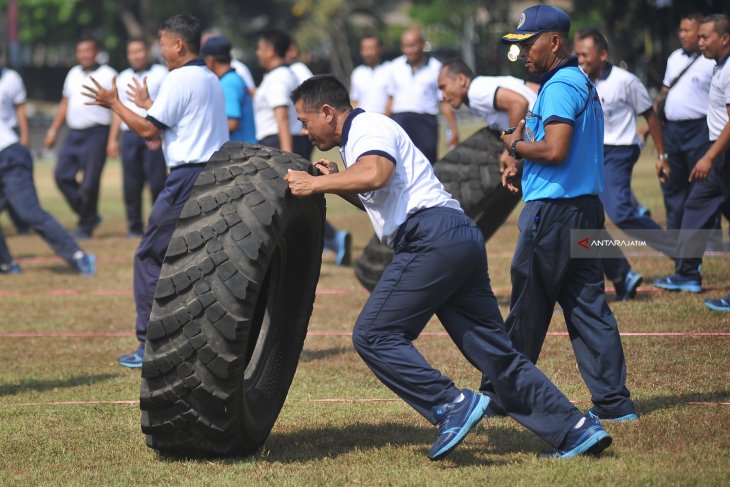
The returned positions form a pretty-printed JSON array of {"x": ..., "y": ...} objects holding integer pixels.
[
  {"x": 368, "y": 82},
  {"x": 12, "y": 112},
  {"x": 623, "y": 97},
  {"x": 85, "y": 147},
  {"x": 142, "y": 161},
  {"x": 414, "y": 98},
  {"x": 277, "y": 124},
  {"x": 439, "y": 267},
  {"x": 686, "y": 138},
  {"x": 18, "y": 190},
  {"x": 189, "y": 115},
  {"x": 711, "y": 173}
]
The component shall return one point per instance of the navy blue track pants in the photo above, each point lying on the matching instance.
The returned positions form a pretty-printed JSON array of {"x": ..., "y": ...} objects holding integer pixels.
[{"x": 440, "y": 267}]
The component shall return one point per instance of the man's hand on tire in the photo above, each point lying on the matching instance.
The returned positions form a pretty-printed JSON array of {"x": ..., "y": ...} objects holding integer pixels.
[
  {"x": 300, "y": 183},
  {"x": 326, "y": 167}
]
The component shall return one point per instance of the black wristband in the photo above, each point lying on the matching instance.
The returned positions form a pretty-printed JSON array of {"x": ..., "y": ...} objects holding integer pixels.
[{"x": 513, "y": 150}]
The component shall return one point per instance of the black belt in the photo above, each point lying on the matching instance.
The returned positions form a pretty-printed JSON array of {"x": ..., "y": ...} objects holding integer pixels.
[
  {"x": 688, "y": 121},
  {"x": 188, "y": 164}
]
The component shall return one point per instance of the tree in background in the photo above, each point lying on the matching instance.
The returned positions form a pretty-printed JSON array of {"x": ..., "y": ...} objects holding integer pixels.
[
  {"x": 57, "y": 24},
  {"x": 330, "y": 29}
]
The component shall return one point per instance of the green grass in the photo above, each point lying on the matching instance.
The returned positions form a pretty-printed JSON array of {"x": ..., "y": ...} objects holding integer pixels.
[{"x": 342, "y": 443}]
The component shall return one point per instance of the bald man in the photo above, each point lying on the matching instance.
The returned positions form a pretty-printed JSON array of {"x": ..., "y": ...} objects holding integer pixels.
[{"x": 414, "y": 98}]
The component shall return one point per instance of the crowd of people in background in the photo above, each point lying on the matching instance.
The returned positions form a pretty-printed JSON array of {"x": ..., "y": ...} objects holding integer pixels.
[
  {"x": 570, "y": 146},
  {"x": 687, "y": 121}
]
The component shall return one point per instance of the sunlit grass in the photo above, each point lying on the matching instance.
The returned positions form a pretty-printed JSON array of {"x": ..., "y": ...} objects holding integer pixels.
[{"x": 335, "y": 443}]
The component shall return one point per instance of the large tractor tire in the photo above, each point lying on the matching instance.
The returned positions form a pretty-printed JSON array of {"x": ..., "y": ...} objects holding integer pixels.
[
  {"x": 232, "y": 306},
  {"x": 470, "y": 172}
]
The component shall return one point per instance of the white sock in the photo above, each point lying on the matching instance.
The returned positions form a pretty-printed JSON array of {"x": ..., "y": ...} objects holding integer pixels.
[
  {"x": 78, "y": 255},
  {"x": 460, "y": 398},
  {"x": 579, "y": 423}
]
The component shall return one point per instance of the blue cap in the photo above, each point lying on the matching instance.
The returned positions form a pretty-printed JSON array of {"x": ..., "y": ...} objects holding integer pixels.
[
  {"x": 537, "y": 19},
  {"x": 216, "y": 46}
]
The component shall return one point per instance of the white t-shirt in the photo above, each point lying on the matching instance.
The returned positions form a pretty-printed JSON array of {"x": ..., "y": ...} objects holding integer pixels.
[
  {"x": 719, "y": 99},
  {"x": 301, "y": 71},
  {"x": 192, "y": 109},
  {"x": 155, "y": 73},
  {"x": 482, "y": 96},
  {"x": 414, "y": 92},
  {"x": 413, "y": 185},
  {"x": 80, "y": 115},
  {"x": 622, "y": 97},
  {"x": 245, "y": 73},
  {"x": 274, "y": 92},
  {"x": 688, "y": 99},
  {"x": 12, "y": 94},
  {"x": 369, "y": 87}
]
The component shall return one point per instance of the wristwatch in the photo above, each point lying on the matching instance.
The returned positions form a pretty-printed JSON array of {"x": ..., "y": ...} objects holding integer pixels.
[
  {"x": 513, "y": 150},
  {"x": 663, "y": 156}
]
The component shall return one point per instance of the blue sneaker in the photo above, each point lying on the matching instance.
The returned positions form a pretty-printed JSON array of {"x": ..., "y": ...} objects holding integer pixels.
[
  {"x": 678, "y": 282},
  {"x": 589, "y": 437},
  {"x": 642, "y": 210},
  {"x": 132, "y": 360},
  {"x": 85, "y": 264},
  {"x": 455, "y": 420},
  {"x": 626, "y": 289},
  {"x": 10, "y": 268},
  {"x": 722, "y": 304},
  {"x": 343, "y": 252},
  {"x": 613, "y": 419}
]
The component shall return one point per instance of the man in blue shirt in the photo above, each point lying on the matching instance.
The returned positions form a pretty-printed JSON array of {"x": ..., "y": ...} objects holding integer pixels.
[
  {"x": 561, "y": 141},
  {"x": 239, "y": 107}
]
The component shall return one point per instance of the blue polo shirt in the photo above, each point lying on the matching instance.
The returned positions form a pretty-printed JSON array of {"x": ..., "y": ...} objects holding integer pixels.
[
  {"x": 566, "y": 96},
  {"x": 239, "y": 106}
]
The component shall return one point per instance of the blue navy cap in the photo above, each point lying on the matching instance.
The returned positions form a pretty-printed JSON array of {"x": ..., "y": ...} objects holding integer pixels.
[
  {"x": 216, "y": 46},
  {"x": 537, "y": 19}
]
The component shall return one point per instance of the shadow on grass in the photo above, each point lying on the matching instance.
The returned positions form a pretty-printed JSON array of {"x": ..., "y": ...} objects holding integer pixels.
[
  {"x": 313, "y": 355},
  {"x": 46, "y": 385},
  {"x": 329, "y": 442},
  {"x": 657, "y": 403}
]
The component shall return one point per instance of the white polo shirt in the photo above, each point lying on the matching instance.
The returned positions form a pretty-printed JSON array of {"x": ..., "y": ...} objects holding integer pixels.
[
  {"x": 418, "y": 91},
  {"x": 369, "y": 87},
  {"x": 413, "y": 185},
  {"x": 273, "y": 92},
  {"x": 301, "y": 71},
  {"x": 719, "y": 98},
  {"x": 155, "y": 73},
  {"x": 688, "y": 99},
  {"x": 245, "y": 73},
  {"x": 80, "y": 115},
  {"x": 12, "y": 94},
  {"x": 191, "y": 110},
  {"x": 482, "y": 96},
  {"x": 8, "y": 136},
  {"x": 622, "y": 97}
]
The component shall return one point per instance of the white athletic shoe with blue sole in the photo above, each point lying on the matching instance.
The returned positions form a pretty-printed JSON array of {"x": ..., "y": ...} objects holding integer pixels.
[{"x": 455, "y": 420}]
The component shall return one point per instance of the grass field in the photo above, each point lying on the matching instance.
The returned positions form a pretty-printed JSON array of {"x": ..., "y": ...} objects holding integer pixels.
[{"x": 68, "y": 412}]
